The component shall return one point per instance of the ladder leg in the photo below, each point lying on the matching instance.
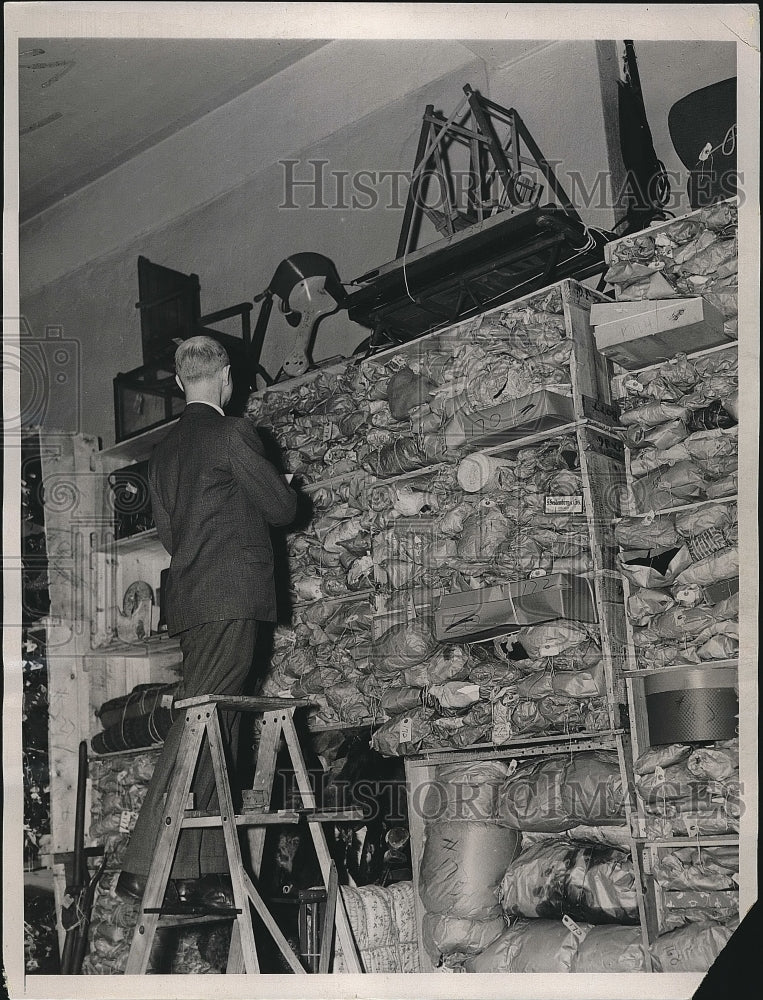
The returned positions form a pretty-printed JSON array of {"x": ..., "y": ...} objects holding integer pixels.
[
  {"x": 264, "y": 776},
  {"x": 166, "y": 843},
  {"x": 344, "y": 929},
  {"x": 235, "y": 966},
  {"x": 232, "y": 846},
  {"x": 243, "y": 888},
  {"x": 329, "y": 922}
]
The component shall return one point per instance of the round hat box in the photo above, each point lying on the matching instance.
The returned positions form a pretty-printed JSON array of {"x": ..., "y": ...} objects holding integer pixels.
[{"x": 693, "y": 704}]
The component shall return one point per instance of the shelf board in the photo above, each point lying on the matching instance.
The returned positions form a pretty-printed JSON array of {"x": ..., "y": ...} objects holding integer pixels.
[
  {"x": 680, "y": 508},
  {"x": 143, "y": 539},
  {"x": 329, "y": 727},
  {"x": 679, "y": 666},
  {"x": 355, "y": 595},
  {"x": 527, "y": 747},
  {"x": 708, "y": 841},
  {"x": 143, "y": 650},
  {"x": 139, "y": 446},
  {"x": 131, "y": 752}
]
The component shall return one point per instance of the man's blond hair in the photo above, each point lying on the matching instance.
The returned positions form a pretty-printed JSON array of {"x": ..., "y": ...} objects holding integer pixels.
[{"x": 200, "y": 358}]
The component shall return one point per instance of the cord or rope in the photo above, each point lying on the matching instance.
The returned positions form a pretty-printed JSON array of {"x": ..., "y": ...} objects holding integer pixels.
[{"x": 727, "y": 146}]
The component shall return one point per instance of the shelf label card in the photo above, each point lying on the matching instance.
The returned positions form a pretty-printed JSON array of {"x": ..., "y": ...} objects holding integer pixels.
[{"x": 564, "y": 504}]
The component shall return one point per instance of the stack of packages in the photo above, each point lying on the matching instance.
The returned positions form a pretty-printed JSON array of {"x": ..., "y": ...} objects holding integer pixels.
[
  {"x": 420, "y": 399},
  {"x": 525, "y": 868},
  {"x": 435, "y": 537},
  {"x": 545, "y": 679},
  {"x": 439, "y": 535},
  {"x": 346, "y": 434},
  {"x": 687, "y": 791},
  {"x": 682, "y": 569},
  {"x": 141, "y": 718},
  {"x": 321, "y": 656},
  {"x": 681, "y": 420},
  {"x": 119, "y": 785},
  {"x": 383, "y": 924},
  {"x": 699, "y": 906},
  {"x": 325, "y": 657},
  {"x": 698, "y": 884},
  {"x": 696, "y": 255},
  {"x": 690, "y": 792},
  {"x": 694, "y": 792},
  {"x": 331, "y": 558},
  {"x": 318, "y": 423}
]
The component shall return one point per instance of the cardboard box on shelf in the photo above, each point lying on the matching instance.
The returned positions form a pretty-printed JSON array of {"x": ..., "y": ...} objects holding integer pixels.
[
  {"x": 638, "y": 334},
  {"x": 492, "y": 611},
  {"x": 509, "y": 421}
]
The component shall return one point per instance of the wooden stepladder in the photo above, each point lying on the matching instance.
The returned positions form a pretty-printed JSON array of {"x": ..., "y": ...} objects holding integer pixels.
[{"x": 202, "y": 720}]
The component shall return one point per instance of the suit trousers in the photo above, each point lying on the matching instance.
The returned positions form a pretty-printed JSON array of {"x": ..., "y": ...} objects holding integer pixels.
[{"x": 217, "y": 659}]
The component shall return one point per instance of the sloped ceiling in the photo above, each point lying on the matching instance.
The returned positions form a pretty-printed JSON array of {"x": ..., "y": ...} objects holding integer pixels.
[{"x": 86, "y": 105}]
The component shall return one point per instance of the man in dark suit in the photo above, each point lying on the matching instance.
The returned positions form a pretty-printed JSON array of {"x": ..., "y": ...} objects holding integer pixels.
[{"x": 214, "y": 496}]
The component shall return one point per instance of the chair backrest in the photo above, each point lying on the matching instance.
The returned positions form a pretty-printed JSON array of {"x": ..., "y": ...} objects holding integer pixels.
[{"x": 170, "y": 307}]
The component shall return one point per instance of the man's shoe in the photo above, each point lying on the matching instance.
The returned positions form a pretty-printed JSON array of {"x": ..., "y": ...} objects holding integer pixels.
[
  {"x": 182, "y": 896},
  {"x": 184, "y": 891},
  {"x": 216, "y": 892},
  {"x": 130, "y": 887}
]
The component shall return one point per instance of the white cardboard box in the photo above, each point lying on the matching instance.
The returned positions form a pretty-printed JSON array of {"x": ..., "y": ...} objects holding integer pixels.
[{"x": 637, "y": 334}]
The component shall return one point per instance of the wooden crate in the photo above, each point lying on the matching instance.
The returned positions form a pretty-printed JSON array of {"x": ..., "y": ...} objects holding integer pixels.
[{"x": 660, "y": 902}]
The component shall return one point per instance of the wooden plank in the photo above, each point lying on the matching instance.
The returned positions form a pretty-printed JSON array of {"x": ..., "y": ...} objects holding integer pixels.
[
  {"x": 239, "y": 881},
  {"x": 329, "y": 922},
  {"x": 417, "y": 778},
  {"x": 166, "y": 845}
]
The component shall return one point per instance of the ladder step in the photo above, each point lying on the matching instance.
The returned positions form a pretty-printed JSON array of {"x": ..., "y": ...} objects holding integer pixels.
[
  {"x": 176, "y": 918},
  {"x": 196, "y": 818},
  {"x": 241, "y": 703}
]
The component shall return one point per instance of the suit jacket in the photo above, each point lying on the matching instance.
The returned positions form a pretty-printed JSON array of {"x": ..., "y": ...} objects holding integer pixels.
[{"x": 213, "y": 495}]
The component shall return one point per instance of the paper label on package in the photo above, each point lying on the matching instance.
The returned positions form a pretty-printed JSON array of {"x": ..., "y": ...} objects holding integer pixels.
[
  {"x": 512, "y": 767},
  {"x": 571, "y": 926},
  {"x": 659, "y": 774},
  {"x": 564, "y": 504},
  {"x": 166, "y": 700},
  {"x": 406, "y": 730},
  {"x": 127, "y": 821}
]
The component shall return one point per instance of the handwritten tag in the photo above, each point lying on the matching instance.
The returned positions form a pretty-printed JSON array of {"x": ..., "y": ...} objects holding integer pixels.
[
  {"x": 692, "y": 829},
  {"x": 406, "y": 730},
  {"x": 126, "y": 821},
  {"x": 512, "y": 767},
  {"x": 166, "y": 701},
  {"x": 659, "y": 774},
  {"x": 572, "y": 927}
]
